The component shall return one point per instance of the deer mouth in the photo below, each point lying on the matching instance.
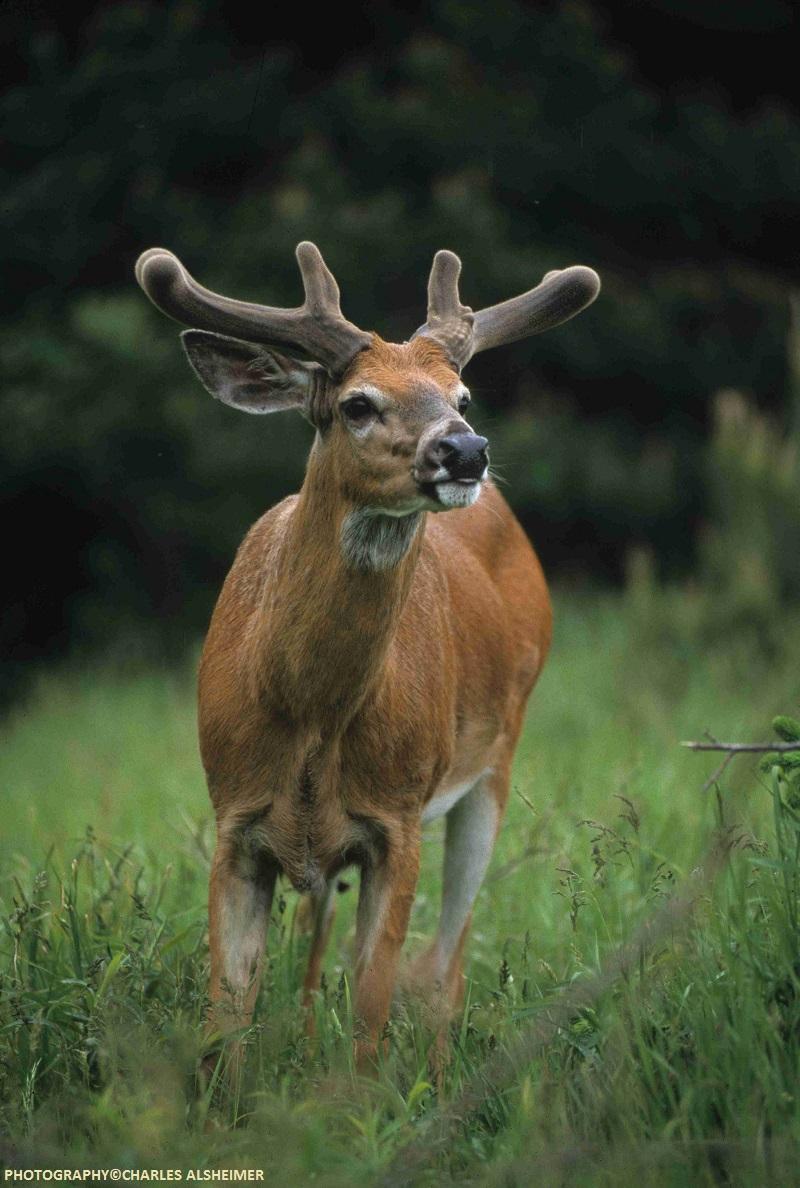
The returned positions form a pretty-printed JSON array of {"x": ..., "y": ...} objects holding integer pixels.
[{"x": 449, "y": 493}]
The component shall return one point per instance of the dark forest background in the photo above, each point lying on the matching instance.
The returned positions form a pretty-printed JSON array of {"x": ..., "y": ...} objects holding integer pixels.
[{"x": 658, "y": 143}]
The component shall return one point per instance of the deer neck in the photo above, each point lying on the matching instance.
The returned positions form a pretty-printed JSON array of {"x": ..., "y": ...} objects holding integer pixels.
[{"x": 343, "y": 578}]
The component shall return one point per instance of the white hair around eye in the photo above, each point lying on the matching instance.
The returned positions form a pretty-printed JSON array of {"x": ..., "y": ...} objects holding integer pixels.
[
  {"x": 360, "y": 406},
  {"x": 370, "y": 392}
]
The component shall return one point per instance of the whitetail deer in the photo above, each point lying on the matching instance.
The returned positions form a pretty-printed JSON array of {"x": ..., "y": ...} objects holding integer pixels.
[{"x": 369, "y": 660}]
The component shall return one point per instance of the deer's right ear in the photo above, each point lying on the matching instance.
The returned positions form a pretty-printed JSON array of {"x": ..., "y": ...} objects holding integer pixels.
[{"x": 251, "y": 378}]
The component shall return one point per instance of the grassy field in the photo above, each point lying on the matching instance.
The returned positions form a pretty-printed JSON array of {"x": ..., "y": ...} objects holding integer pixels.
[{"x": 678, "y": 1066}]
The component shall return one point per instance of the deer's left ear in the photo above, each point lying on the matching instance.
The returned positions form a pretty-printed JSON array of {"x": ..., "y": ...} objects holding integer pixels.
[{"x": 251, "y": 378}]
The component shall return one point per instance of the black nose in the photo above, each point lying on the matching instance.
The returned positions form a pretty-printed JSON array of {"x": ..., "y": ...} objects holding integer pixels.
[{"x": 463, "y": 454}]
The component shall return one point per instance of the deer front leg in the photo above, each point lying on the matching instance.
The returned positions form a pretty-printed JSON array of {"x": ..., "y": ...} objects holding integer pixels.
[
  {"x": 388, "y": 885},
  {"x": 239, "y": 901}
]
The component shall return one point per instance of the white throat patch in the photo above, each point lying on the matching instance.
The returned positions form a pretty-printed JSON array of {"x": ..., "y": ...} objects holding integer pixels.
[{"x": 374, "y": 542}]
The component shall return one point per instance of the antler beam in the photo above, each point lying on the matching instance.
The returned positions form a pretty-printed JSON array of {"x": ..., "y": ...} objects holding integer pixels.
[
  {"x": 462, "y": 333},
  {"x": 317, "y": 328}
]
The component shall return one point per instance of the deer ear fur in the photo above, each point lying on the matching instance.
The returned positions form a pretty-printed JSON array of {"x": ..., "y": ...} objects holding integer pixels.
[{"x": 251, "y": 378}]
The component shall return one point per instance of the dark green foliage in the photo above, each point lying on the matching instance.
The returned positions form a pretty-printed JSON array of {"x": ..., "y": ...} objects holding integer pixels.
[
  {"x": 747, "y": 575},
  {"x": 547, "y": 148}
]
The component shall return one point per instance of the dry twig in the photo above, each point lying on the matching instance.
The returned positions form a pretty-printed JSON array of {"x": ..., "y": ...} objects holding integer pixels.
[{"x": 742, "y": 748}]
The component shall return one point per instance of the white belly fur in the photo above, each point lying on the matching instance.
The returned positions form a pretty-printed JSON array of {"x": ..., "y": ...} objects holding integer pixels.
[{"x": 443, "y": 801}]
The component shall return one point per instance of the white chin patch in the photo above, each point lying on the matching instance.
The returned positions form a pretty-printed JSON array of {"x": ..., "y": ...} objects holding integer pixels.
[{"x": 456, "y": 494}]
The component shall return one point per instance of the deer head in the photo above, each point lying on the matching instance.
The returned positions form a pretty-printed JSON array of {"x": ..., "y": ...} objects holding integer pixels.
[{"x": 390, "y": 418}]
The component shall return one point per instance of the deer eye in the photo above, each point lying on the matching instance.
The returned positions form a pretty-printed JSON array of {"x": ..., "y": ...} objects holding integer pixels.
[
  {"x": 463, "y": 402},
  {"x": 358, "y": 409}
]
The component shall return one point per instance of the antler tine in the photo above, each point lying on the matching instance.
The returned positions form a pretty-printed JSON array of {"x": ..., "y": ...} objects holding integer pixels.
[
  {"x": 319, "y": 283},
  {"x": 448, "y": 321},
  {"x": 443, "y": 297},
  {"x": 462, "y": 333},
  {"x": 317, "y": 328}
]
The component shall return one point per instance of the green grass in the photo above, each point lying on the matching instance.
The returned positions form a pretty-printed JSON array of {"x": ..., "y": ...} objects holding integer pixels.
[{"x": 684, "y": 1069}]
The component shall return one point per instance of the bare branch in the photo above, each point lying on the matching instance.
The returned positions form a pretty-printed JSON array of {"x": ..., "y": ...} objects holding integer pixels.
[
  {"x": 742, "y": 748},
  {"x": 718, "y": 772}
]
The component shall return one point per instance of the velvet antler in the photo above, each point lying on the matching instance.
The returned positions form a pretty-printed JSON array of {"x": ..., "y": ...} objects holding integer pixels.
[
  {"x": 317, "y": 328},
  {"x": 463, "y": 333}
]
